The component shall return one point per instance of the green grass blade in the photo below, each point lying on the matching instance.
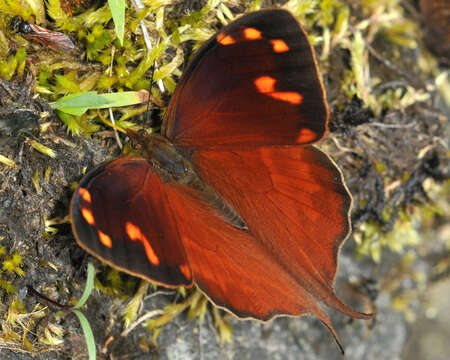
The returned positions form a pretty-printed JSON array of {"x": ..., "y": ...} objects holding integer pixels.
[
  {"x": 88, "y": 288},
  {"x": 88, "y": 335},
  {"x": 77, "y": 104},
  {"x": 117, "y": 8}
]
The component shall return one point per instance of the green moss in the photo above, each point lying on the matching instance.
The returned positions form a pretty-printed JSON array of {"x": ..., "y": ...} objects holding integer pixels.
[
  {"x": 130, "y": 312},
  {"x": 14, "y": 65},
  {"x": 98, "y": 40},
  {"x": 7, "y": 286},
  {"x": 371, "y": 239},
  {"x": 42, "y": 148},
  {"x": 79, "y": 125},
  {"x": 12, "y": 263},
  {"x": 111, "y": 282}
]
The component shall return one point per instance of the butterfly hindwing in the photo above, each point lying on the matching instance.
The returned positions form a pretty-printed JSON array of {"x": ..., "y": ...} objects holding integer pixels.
[
  {"x": 236, "y": 271},
  {"x": 295, "y": 205},
  {"x": 254, "y": 83},
  {"x": 120, "y": 214}
]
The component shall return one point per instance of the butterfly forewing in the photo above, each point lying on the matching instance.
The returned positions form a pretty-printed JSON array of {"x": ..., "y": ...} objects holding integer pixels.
[
  {"x": 120, "y": 214},
  {"x": 255, "y": 83}
]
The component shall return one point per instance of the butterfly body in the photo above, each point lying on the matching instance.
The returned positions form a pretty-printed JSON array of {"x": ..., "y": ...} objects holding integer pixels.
[
  {"x": 164, "y": 157},
  {"x": 231, "y": 196},
  {"x": 173, "y": 167}
]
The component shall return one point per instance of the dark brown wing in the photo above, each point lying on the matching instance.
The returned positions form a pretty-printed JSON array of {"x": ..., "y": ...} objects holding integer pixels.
[
  {"x": 254, "y": 83},
  {"x": 120, "y": 214}
]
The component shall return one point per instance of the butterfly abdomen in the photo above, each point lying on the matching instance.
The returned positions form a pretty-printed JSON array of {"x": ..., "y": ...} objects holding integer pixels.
[{"x": 174, "y": 168}]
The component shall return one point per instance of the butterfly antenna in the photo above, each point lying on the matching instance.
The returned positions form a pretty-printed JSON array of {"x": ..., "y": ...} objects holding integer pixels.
[{"x": 147, "y": 112}]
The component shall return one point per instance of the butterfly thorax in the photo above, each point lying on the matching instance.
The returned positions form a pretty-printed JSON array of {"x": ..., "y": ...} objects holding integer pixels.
[{"x": 173, "y": 167}]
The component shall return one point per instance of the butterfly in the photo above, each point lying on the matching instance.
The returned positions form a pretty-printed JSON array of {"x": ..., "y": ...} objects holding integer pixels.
[{"x": 231, "y": 196}]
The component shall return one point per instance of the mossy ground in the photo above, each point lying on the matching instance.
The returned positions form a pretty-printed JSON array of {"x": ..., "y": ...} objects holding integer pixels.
[{"x": 389, "y": 133}]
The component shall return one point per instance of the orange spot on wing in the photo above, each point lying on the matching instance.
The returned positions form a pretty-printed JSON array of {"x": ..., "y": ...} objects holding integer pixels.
[
  {"x": 88, "y": 215},
  {"x": 136, "y": 234},
  {"x": 85, "y": 195},
  {"x": 291, "y": 97},
  {"x": 279, "y": 46},
  {"x": 105, "y": 239},
  {"x": 225, "y": 39},
  {"x": 265, "y": 84},
  {"x": 306, "y": 135},
  {"x": 85, "y": 206},
  {"x": 185, "y": 271},
  {"x": 252, "y": 34}
]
